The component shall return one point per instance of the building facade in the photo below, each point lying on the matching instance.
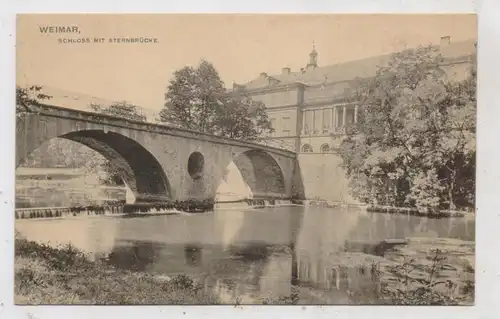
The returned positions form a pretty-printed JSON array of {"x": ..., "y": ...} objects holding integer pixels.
[{"x": 310, "y": 108}]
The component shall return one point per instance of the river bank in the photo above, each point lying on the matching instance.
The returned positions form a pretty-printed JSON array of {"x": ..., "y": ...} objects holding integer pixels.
[
  {"x": 47, "y": 275},
  {"x": 409, "y": 211},
  {"x": 414, "y": 273}
]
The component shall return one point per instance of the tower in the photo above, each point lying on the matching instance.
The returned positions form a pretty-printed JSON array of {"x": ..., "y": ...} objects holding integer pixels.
[{"x": 313, "y": 58}]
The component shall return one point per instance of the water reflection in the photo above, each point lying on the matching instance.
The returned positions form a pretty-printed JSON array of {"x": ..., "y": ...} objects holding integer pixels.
[
  {"x": 193, "y": 255},
  {"x": 254, "y": 253},
  {"x": 136, "y": 256}
]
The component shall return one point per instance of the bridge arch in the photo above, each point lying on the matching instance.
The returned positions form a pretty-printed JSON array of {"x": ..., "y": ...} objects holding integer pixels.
[
  {"x": 138, "y": 168},
  {"x": 261, "y": 173}
]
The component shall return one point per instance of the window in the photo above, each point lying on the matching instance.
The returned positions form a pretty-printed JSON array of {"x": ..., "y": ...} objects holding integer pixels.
[
  {"x": 327, "y": 118},
  {"x": 325, "y": 148},
  {"x": 318, "y": 115},
  {"x": 308, "y": 122},
  {"x": 273, "y": 125},
  {"x": 306, "y": 148},
  {"x": 349, "y": 118},
  {"x": 285, "y": 123},
  {"x": 339, "y": 116}
]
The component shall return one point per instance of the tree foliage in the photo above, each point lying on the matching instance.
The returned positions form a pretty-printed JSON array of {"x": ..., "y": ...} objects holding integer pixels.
[
  {"x": 197, "y": 99},
  {"x": 193, "y": 98},
  {"x": 242, "y": 118},
  {"x": 29, "y": 96},
  {"x": 414, "y": 143},
  {"x": 120, "y": 109}
]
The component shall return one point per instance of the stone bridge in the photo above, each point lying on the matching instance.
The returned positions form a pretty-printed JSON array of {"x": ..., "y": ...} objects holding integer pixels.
[{"x": 161, "y": 163}]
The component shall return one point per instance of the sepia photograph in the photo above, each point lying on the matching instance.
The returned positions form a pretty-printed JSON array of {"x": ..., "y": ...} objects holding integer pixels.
[{"x": 245, "y": 159}]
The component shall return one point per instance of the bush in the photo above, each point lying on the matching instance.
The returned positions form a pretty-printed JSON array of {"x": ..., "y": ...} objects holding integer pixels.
[{"x": 409, "y": 289}]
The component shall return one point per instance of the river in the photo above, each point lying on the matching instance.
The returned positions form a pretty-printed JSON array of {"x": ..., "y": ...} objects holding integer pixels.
[{"x": 254, "y": 253}]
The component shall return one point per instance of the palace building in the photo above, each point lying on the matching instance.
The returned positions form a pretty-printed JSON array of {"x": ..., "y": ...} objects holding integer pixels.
[{"x": 310, "y": 108}]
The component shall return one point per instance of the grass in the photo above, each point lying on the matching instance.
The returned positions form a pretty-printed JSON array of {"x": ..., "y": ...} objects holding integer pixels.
[{"x": 46, "y": 275}]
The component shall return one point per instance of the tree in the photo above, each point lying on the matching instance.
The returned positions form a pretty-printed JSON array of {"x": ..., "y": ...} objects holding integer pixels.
[
  {"x": 29, "y": 96},
  {"x": 193, "y": 97},
  {"x": 197, "y": 99},
  {"x": 242, "y": 118},
  {"x": 414, "y": 143},
  {"x": 120, "y": 109}
]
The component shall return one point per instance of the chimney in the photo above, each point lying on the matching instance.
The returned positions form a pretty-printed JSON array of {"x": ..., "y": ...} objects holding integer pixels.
[
  {"x": 263, "y": 74},
  {"x": 445, "y": 40},
  {"x": 286, "y": 70}
]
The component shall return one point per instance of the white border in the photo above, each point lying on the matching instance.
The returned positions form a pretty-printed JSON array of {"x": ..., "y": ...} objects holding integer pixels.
[{"x": 488, "y": 173}]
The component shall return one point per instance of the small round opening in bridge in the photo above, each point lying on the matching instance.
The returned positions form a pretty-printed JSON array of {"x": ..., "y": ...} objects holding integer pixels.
[{"x": 196, "y": 163}]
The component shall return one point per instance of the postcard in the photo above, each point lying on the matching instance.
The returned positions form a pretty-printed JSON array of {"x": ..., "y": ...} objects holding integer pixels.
[{"x": 245, "y": 159}]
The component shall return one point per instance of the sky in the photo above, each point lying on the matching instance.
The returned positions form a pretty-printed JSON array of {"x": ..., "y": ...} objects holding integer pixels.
[{"x": 240, "y": 46}]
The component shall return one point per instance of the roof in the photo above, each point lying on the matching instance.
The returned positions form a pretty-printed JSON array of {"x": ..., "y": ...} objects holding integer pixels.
[{"x": 354, "y": 69}]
